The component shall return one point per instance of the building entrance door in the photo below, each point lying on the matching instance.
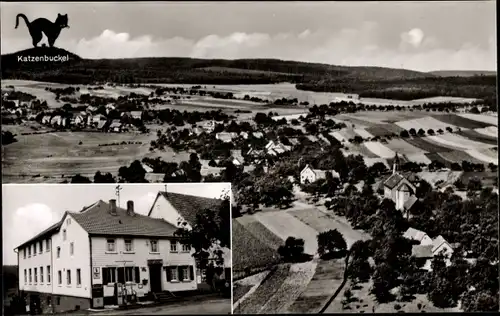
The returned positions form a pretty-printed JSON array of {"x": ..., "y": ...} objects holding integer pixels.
[{"x": 155, "y": 277}]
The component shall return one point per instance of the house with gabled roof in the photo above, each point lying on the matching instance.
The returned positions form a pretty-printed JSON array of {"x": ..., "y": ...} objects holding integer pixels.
[
  {"x": 418, "y": 235},
  {"x": 181, "y": 210},
  {"x": 310, "y": 175},
  {"x": 89, "y": 256}
]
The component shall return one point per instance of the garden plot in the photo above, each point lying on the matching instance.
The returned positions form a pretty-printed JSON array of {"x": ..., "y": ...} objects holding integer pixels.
[
  {"x": 363, "y": 133},
  {"x": 254, "y": 302},
  {"x": 379, "y": 149},
  {"x": 489, "y": 119},
  {"x": 419, "y": 158},
  {"x": 491, "y": 131},
  {"x": 458, "y": 156},
  {"x": 296, "y": 282},
  {"x": 425, "y": 123},
  {"x": 403, "y": 147},
  {"x": 284, "y": 225},
  {"x": 326, "y": 280},
  {"x": 260, "y": 232},
  {"x": 457, "y": 142},
  {"x": 460, "y": 121},
  {"x": 448, "y": 177},
  {"x": 484, "y": 155},
  {"x": 322, "y": 222}
]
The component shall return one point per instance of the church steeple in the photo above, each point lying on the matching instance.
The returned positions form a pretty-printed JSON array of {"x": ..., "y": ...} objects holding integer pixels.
[{"x": 395, "y": 165}]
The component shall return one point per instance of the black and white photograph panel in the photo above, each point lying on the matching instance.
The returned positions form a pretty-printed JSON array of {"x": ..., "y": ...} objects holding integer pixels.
[
  {"x": 378, "y": 191},
  {"x": 112, "y": 249}
]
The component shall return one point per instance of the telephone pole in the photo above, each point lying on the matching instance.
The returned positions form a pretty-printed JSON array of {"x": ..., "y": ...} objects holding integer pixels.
[{"x": 117, "y": 193}]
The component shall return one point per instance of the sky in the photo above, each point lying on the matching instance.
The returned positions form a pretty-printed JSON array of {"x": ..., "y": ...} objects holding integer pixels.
[
  {"x": 29, "y": 209},
  {"x": 422, "y": 36}
]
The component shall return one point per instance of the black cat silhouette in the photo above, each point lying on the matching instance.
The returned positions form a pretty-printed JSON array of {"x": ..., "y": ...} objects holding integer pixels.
[{"x": 42, "y": 25}]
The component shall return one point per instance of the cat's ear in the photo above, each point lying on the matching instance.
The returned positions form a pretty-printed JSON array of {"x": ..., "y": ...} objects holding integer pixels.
[
  {"x": 66, "y": 15},
  {"x": 59, "y": 14}
]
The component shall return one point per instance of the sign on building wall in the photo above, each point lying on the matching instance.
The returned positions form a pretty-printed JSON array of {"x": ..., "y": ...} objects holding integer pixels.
[{"x": 97, "y": 273}]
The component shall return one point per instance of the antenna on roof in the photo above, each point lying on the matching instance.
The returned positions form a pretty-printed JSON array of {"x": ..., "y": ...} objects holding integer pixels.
[
  {"x": 117, "y": 193},
  {"x": 166, "y": 188}
]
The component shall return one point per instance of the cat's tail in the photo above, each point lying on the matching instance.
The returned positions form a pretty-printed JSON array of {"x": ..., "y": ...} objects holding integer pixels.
[{"x": 24, "y": 18}]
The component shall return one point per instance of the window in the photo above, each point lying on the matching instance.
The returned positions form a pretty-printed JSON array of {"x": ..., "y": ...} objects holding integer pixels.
[
  {"x": 111, "y": 245},
  {"x": 185, "y": 274},
  {"x": 129, "y": 274},
  {"x": 29, "y": 251},
  {"x": 68, "y": 277},
  {"x": 128, "y": 245},
  {"x": 35, "y": 274},
  {"x": 41, "y": 246},
  {"x": 47, "y": 245},
  {"x": 186, "y": 248},
  {"x": 108, "y": 275},
  {"x": 58, "y": 300},
  {"x": 25, "y": 276},
  {"x": 30, "y": 275},
  {"x": 173, "y": 246},
  {"x": 71, "y": 249},
  {"x": 154, "y": 246},
  {"x": 24, "y": 253},
  {"x": 64, "y": 234},
  {"x": 59, "y": 277},
  {"x": 49, "y": 300},
  {"x": 41, "y": 274},
  {"x": 34, "y": 249},
  {"x": 174, "y": 274},
  {"x": 48, "y": 274},
  {"x": 58, "y": 252},
  {"x": 78, "y": 277},
  {"x": 68, "y": 221}
]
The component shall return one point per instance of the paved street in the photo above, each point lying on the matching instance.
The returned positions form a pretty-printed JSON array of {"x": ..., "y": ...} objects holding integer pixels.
[{"x": 214, "y": 306}]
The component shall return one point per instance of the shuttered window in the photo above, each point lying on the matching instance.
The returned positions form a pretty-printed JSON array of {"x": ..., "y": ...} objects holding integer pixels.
[{"x": 180, "y": 273}]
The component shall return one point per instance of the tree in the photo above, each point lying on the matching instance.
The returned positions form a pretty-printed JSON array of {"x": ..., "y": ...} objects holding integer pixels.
[
  {"x": 383, "y": 278},
  {"x": 331, "y": 243},
  {"x": 292, "y": 250},
  {"x": 480, "y": 301},
  {"x": 80, "y": 179},
  {"x": 208, "y": 235},
  {"x": 449, "y": 129},
  {"x": 8, "y": 138},
  {"x": 430, "y": 131},
  {"x": 474, "y": 184},
  {"x": 441, "y": 293},
  {"x": 492, "y": 167},
  {"x": 413, "y": 132},
  {"x": 135, "y": 173},
  {"x": 421, "y": 132},
  {"x": 103, "y": 178},
  {"x": 404, "y": 134},
  {"x": 212, "y": 163}
]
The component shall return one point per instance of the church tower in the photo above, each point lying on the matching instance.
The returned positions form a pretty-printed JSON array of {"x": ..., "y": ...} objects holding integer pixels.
[{"x": 395, "y": 165}]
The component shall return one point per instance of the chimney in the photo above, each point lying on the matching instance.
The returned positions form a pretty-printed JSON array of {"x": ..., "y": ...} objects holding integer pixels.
[
  {"x": 112, "y": 207},
  {"x": 130, "y": 208}
]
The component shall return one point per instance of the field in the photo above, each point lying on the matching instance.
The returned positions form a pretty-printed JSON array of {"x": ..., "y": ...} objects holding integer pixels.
[
  {"x": 248, "y": 251},
  {"x": 490, "y": 120},
  {"x": 425, "y": 123},
  {"x": 295, "y": 288},
  {"x": 321, "y": 222},
  {"x": 56, "y": 156},
  {"x": 283, "y": 225}
]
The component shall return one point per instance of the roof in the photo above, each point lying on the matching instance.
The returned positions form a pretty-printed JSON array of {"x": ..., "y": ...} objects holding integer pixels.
[
  {"x": 54, "y": 228},
  {"x": 189, "y": 206},
  {"x": 393, "y": 181},
  {"x": 258, "y": 134},
  {"x": 414, "y": 234},
  {"x": 410, "y": 202},
  {"x": 420, "y": 251},
  {"x": 438, "y": 241},
  {"x": 96, "y": 219},
  {"x": 136, "y": 114},
  {"x": 154, "y": 177}
]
